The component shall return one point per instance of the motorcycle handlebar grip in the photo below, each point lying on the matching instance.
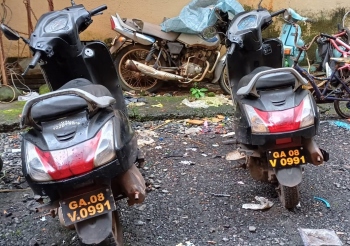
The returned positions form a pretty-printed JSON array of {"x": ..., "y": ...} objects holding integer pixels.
[
  {"x": 35, "y": 59},
  {"x": 327, "y": 36},
  {"x": 278, "y": 12},
  {"x": 98, "y": 9}
]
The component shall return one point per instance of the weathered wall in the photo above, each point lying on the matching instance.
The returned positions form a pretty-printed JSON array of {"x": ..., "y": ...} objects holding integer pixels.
[{"x": 148, "y": 10}]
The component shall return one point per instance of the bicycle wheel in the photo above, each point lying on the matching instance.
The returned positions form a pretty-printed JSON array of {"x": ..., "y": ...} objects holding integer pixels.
[{"x": 342, "y": 108}]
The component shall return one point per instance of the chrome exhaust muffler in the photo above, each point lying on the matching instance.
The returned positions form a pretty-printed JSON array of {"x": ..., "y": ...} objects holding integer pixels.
[{"x": 150, "y": 71}]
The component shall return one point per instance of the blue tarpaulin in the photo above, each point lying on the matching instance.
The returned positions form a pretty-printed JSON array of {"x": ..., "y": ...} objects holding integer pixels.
[{"x": 199, "y": 14}]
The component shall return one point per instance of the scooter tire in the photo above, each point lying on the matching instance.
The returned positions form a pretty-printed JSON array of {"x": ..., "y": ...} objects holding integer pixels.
[
  {"x": 224, "y": 82},
  {"x": 130, "y": 80},
  {"x": 289, "y": 196}
]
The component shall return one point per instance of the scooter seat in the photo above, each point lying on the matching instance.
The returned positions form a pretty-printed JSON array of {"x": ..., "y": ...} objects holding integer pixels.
[
  {"x": 270, "y": 82},
  {"x": 59, "y": 106},
  {"x": 153, "y": 30}
]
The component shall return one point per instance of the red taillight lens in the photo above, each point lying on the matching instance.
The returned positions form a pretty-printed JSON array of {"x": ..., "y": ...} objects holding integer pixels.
[
  {"x": 112, "y": 23},
  {"x": 71, "y": 161},
  {"x": 282, "y": 121}
]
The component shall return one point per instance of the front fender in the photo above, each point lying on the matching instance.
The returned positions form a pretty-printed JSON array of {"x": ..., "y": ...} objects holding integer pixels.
[
  {"x": 94, "y": 230},
  {"x": 290, "y": 176},
  {"x": 219, "y": 69}
]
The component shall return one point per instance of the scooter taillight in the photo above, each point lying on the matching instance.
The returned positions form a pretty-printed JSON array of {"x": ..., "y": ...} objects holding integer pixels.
[
  {"x": 283, "y": 120},
  {"x": 71, "y": 161},
  {"x": 112, "y": 23},
  {"x": 78, "y": 159}
]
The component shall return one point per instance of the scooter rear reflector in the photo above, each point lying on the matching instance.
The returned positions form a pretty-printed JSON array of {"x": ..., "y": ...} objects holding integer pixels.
[
  {"x": 71, "y": 161},
  {"x": 283, "y": 140}
]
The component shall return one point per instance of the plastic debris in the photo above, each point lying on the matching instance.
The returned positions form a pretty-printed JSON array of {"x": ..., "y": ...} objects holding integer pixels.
[
  {"x": 28, "y": 96},
  {"x": 234, "y": 156},
  {"x": 264, "y": 204},
  {"x": 339, "y": 123},
  {"x": 240, "y": 182},
  {"x": 229, "y": 134},
  {"x": 193, "y": 130},
  {"x": 328, "y": 205},
  {"x": 159, "y": 105},
  {"x": 136, "y": 104},
  {"x": 187, "y": 243},
  {"x": 206, "y": 102},
  {"x": 187, "y": 162},
  {"x": 220, "y": 195},
  {"x": 318, "y": 237},
  {"x": 145, "y": 137},
  {"x": 158, "y": 147}
]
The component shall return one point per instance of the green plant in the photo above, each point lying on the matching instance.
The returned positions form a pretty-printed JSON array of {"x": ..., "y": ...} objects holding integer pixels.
[{"x": 198, "y": 92}]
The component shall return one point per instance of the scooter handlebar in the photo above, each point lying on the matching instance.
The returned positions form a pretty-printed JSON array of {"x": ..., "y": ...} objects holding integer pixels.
[
  {"x": 33, "y": 62},
  {"x": 98, "y": 10},
  {"x": 273, "y": 14}
]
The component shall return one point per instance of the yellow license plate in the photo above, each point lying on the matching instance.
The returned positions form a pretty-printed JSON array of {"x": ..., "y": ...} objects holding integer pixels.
[
  {"x": 286, "y": 157},
  {"x": 87, "y": 205}
]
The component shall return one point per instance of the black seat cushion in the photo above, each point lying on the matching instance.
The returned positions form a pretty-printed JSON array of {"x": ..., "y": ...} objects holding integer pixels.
[
  {"x": 58, "y": 106},
  {"x": 268, "y": 82}
]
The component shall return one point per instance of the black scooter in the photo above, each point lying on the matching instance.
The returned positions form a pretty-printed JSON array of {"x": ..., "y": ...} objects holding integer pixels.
[
  {"x": 81, "y": 150},
  {"x": 275, "y": 119}
]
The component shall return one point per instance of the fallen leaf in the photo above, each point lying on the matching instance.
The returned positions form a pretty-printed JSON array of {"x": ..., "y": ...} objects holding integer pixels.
[
  {"x": 219, "y": 116},
  {"x": 195, "y": 122}
]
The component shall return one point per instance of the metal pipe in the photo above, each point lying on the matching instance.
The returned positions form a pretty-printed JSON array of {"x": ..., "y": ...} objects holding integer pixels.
[
  {"x": 216, "y": 62},
  {"x": 150, "y": 71}
]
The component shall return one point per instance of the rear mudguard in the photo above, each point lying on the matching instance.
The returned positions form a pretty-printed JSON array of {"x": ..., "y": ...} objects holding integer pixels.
[
  {"x": 95, "y": 230},
  {"x": 116, "y": 44},
  {"x": 289, "y": 177},
  {"x": 219, "y": 69}
]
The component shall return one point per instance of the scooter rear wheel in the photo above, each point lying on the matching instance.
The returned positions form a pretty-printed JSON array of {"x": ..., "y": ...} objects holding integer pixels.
[
  {"x": 131, "y": 80},
  {"x": 289, "y": 196}
]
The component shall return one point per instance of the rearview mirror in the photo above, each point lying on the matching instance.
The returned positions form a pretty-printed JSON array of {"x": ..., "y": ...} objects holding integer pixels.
[
  {"x": 209, "y": 32},
  {"x": 9, "y": 33}
]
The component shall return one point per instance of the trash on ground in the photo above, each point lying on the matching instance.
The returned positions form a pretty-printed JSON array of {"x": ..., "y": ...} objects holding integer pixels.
[
  {"x": 159, "y": 105},
  {"x": 16, "y": 150},
  {"x": 240, "y": 182},
  {"x": 158, "y": 147},
  {"x": 229, "y": 134},
  {"x": 206, "y": 102},
  {"x": 318, "y": 237},
  {"x": 195, "y": 122},
  {"x": 193, "y": 130},
  {"x": 28, "y": 96},
  {"x": 187, "y": 243},
  {"x": 220, "y": 195},
  {"x": 166, "y": 122},
  {"x": 187, "y": 162},
  {"x": 136, "y": 104},
  {"x": 234, "y": 156},
  {"x": 264, "y": 204},
  {"x": 145, "y": 137},
  {"x": 328, "y": 205},
  {"x": 339, "y": 123}
]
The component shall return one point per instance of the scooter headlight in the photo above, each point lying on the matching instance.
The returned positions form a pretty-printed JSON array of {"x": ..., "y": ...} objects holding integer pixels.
[{"x": 286, "y": 15}]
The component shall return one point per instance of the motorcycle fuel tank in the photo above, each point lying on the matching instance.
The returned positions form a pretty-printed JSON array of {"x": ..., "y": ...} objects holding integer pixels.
[{"x": 196, "y": 40}]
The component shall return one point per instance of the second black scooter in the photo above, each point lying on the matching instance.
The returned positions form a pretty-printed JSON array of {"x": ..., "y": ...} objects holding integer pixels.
[{"x": 275, "y": 119}]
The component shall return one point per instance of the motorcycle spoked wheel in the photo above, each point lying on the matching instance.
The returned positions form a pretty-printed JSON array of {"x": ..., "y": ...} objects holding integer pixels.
[
  {"x": 224, "y": 82},
  {"x": 131, "y": 80},
  {"x": 289, "y": 196}
]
